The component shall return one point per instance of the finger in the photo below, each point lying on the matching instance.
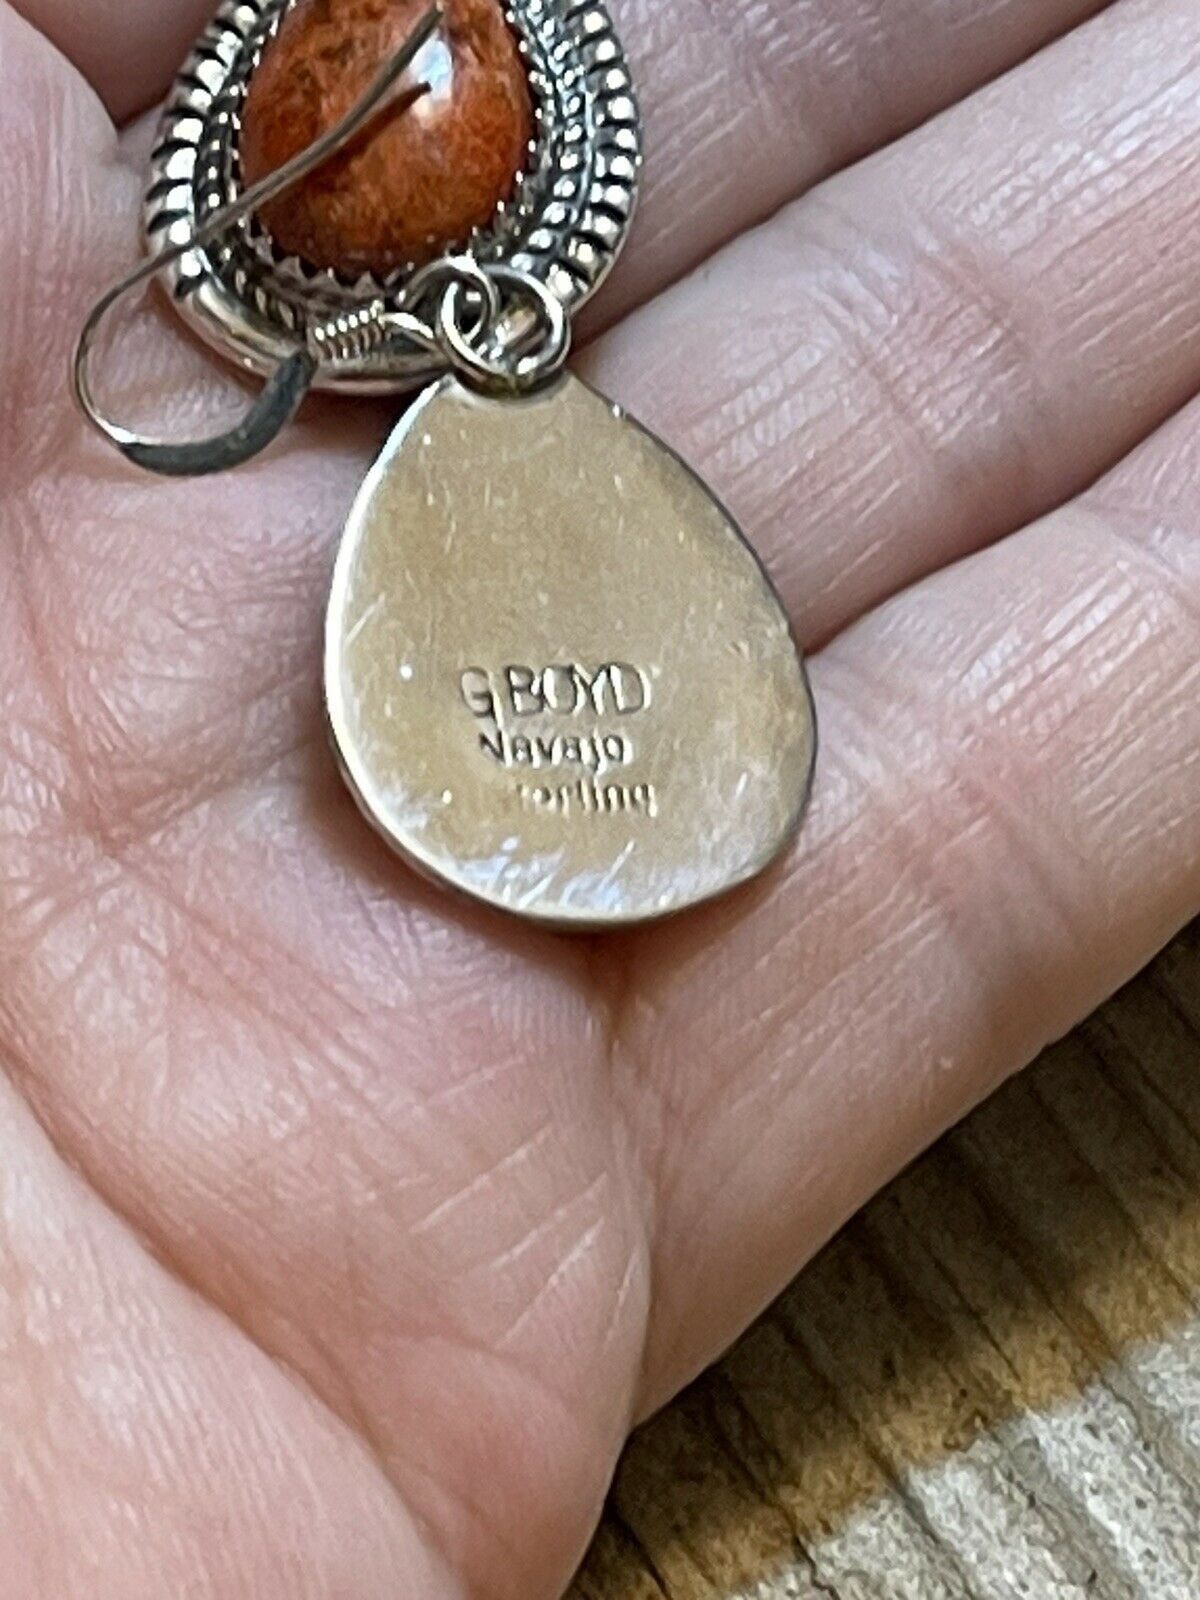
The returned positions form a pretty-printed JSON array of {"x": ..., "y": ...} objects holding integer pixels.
[
  {"x": 1007, "y": 825},
  {"x": 953, "y": 337},
  {"x": 127, "y": 49},
  {"x": 747, "y": 104},
  {"x": 151, "y": 1449}
]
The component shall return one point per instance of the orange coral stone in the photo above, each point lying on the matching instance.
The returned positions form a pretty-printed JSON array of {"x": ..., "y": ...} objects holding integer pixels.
[{"x": 417, "y": 182}]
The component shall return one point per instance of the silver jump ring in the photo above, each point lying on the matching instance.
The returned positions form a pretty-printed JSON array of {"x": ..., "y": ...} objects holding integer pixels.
[
  {"x": 498, "y": 363},
  {"x": 464, "y": 272}
]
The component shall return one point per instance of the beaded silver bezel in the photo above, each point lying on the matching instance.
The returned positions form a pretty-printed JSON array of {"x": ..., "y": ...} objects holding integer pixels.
[{"x": 565, "y": 224}]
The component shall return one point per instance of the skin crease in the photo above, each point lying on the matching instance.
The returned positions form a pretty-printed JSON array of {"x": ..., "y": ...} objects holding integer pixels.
[{"x": 344, "y": 1231}]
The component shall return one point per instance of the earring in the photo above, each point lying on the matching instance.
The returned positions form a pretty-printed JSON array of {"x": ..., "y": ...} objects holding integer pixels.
[{"x": 557, "y": 677}]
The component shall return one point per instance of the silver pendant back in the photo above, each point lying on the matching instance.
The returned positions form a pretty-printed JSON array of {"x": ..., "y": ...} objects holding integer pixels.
[{"x": 557, "y": 677}]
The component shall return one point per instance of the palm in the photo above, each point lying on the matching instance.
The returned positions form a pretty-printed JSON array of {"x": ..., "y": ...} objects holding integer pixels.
[{"x": 346, "y": 1230}]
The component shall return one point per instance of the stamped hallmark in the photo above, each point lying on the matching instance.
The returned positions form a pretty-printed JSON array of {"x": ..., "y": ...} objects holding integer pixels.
[
  {"x": 597, "y": 752},
  {"x": 547, "y": 719},
  {"x": 568, "y": 690},
  {"x": 590, "y": 799}
]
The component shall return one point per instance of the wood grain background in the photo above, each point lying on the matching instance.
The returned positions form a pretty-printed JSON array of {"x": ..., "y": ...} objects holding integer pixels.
[{"x": 988, "y": 1385}]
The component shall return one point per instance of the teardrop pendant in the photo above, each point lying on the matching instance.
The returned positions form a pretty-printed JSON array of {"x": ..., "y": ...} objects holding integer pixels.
[{"x": 558, "y": 679}]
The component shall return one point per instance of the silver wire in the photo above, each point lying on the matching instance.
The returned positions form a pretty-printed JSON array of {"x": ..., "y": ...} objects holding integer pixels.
[{"x": 513, "y": 371}]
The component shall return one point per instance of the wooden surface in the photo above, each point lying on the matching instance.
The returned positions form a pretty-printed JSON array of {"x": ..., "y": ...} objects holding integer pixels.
[{"x": 988, "y": 1385}]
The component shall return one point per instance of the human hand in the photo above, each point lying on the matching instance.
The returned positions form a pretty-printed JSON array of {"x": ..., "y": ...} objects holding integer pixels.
[{"x": 345, "y": 1229}]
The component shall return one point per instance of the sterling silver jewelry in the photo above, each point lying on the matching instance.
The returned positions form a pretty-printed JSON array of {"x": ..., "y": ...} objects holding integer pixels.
[{"x": 557, "y": 677}]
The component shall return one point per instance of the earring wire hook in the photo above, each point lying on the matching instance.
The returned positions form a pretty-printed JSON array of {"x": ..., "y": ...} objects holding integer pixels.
[{"x": 292, "y": 379}]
